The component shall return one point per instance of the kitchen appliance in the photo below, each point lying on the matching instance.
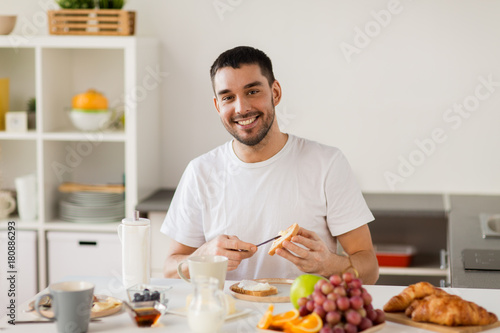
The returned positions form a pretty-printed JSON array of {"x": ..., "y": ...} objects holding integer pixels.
[{"x": 484, "y": 260}]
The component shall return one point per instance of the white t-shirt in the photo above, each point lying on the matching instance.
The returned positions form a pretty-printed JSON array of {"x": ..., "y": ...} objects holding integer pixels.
[{"x": 306, "y": 183}]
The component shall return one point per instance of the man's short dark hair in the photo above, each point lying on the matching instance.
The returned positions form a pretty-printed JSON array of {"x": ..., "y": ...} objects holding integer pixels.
[{"x": 243, "y": 55}]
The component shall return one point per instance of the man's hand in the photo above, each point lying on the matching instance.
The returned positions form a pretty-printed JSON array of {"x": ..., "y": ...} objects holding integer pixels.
[
  {"x": 312, "y": 258},
  {"x": 315, "y": 257},
  {"x": 228, "y": 246}
]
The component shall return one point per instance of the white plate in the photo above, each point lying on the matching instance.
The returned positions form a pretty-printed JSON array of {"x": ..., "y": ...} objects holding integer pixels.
[{"x": 237, "y": 313}]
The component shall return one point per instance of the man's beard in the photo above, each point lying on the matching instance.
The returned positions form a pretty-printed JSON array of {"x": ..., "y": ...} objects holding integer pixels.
[{"x": 261, "y": 134}]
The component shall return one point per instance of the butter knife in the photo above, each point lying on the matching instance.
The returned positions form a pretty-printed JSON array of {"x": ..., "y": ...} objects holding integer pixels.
[{"x": 269, "y": 240}]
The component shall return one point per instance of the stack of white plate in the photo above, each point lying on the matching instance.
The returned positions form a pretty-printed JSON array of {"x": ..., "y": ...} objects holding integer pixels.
[{"x": 92, "y": 207}]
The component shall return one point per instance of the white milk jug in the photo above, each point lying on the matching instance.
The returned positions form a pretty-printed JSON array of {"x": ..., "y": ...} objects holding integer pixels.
[{"x": 135, "y": 237}]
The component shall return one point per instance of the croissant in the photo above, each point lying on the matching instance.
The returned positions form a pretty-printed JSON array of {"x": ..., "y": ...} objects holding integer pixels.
[
  {"x": 450, "y": 310},
  {"x": 415, "y": 291}
]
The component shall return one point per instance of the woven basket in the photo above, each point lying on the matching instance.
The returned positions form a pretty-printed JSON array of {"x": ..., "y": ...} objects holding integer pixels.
[{"x": 91, "y": 22}]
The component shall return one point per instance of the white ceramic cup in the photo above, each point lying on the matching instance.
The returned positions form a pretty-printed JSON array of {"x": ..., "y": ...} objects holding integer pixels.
[
  {"x": 71, "y": 304},
  {"x": 7, "y": 204},
  {"x": 208, "y": 266},
  {"x": 27, "y": 203}
]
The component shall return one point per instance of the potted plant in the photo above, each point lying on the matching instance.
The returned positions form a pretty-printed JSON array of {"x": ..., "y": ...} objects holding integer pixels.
[
  {"x": 91, "y": 17},
  {"x": 31, "y": 108},
  {"x": 91, "y": 4}
]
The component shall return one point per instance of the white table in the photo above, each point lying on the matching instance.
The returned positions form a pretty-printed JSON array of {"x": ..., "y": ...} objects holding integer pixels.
[{"x": 122, "y": 323}]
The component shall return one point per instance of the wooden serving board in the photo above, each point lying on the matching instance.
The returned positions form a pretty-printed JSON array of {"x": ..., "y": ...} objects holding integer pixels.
[
  {"x": 368, "y": 330},
  {"x": 94, "y": 314},
  {"x": 401, "y": 318}
]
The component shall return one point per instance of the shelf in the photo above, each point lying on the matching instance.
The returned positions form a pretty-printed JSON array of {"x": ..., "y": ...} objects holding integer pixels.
[
  {"x": 69, "y": 226},
  {"x": 100, "y": 136},
  {"x": 20, "y": 225},
  {"x": 54, "y": 69},
  {"x": 101, "y": 42},
  {"x": 29, "y": 135}
]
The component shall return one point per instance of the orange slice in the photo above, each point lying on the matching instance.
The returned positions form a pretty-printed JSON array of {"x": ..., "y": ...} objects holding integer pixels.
[
  {"x": 309, "y": 324},
  {"x": 267, "y": 318},
  {"x": 281, "y": 319}
]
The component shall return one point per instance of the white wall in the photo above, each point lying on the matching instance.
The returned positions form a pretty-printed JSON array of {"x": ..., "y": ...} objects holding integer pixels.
[{"x": 399, "y": 88}]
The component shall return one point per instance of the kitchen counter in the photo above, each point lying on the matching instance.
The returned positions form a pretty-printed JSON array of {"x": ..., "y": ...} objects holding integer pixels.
[
  {"x": 408, "y": 218},
  {"x": 465, "y": 233},
  {"x": 122, "y": 323}
]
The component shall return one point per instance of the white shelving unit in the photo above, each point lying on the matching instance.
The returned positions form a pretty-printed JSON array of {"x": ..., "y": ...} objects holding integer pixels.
[{"x": 54, "y": 69}]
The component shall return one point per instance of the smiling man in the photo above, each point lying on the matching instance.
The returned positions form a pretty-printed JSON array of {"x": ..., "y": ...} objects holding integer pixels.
[{"x": 250, "y": 188}]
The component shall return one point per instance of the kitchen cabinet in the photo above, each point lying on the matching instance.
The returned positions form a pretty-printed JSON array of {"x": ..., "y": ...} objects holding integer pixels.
[
  {"x": 419, "y": 220},
  {"x": 25, "y": 266},
  {"x": 82, "y": 253},
  {"x": 54, "y": 69}
]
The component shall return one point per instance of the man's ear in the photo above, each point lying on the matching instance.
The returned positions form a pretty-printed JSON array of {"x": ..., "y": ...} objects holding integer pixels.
[
  {"x": 276, "y": 89},
  {"x": 216, "y": 104}
]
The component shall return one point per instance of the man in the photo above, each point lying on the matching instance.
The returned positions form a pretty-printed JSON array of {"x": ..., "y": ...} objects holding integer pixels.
[{"x": 250, "y": 188}]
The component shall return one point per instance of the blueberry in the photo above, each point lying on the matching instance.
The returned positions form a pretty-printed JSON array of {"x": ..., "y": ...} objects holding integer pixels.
[{"x": 155, "y": 296}]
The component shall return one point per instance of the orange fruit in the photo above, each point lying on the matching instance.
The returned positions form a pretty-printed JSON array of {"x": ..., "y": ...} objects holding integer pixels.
[
  {"x": 309, "y": 324},
  {"x": 287, "y": 327},
  {"x": 267, "y": 318},
  {"x": 90, "y": 100},
  {"x": 281, "y": 319}
]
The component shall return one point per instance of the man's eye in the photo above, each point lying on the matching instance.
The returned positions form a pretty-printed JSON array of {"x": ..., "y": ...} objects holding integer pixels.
[
  {"x": 253, "y": 92},
  {"x": 226, "y": 98}
]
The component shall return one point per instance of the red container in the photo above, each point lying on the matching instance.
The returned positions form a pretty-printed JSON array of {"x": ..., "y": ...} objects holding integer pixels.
[{"x": 394, "y": 255}]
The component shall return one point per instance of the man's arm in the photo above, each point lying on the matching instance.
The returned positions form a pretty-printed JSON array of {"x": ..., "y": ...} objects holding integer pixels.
[
  {"x": 228, "y": 246},
  {"x": 318, "y": 259}
]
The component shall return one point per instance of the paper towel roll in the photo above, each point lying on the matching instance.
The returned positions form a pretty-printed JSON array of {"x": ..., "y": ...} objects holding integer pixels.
[{"x": 135, "y": 236}]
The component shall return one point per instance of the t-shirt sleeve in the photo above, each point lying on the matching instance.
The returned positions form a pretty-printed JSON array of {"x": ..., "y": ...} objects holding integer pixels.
[
  {"x": 346, "y": 207},
  {"x": 183, "y": 221}
]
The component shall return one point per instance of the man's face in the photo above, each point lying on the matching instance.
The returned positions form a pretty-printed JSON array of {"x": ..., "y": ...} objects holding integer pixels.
[{"x": 245, "y": 102}]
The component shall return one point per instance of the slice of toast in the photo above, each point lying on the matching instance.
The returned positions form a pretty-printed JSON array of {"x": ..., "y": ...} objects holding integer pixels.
[
  {"x": 271, "y": 291},
  {"x": 285, "y": 235}
]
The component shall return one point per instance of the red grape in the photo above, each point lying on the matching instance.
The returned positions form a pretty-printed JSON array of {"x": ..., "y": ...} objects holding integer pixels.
[
  {"x": 380, "y": 317},
  {"x": 367, "y": 298},
  {"x": 365, "y": 324},
  {"x": 319, "y": 284},
  {"x": 343, "y": 303},
  {"x": 333, "y": 296},
  {"x": 350, "y": 328},
  {"x": 327, "y": 288},
  {"x": 310, "y": 306},
  {"x": 333, "y": 317},
  {"x": 320, "y": 311},
  {"x": 362, "y": 312},
  {"x": 326, "y": 329},
  {"x": 339, "y": 290},
  {"x": 302, "y": 301},
  {"x": 347, "y": 277},
  {"x": 329, "y": 305},
  {"x": 355, "y": 283},
  {"x": 371, "y": 314},
  {"x": 354, "y": 292},
  {"x": 336, "y": 280},
  {"x": 353, "y": 317},
  {"x": 303, "y": 311},
  {"x": 368, "y": 307},
  {"x": 339, "y": 328},
  {"x": 318, "y": 297},
  {"x": 356, "y": 302}
]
